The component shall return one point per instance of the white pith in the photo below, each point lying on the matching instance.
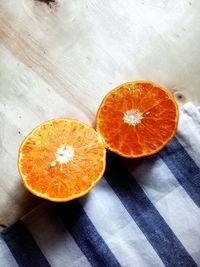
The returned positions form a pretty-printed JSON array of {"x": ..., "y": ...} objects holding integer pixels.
[
  {"x": 133, "y": 117},
  {"x": 63, "y": 154}
]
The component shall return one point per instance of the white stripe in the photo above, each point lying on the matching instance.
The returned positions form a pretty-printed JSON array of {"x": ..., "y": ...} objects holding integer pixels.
[
  {"x": 55, "y": 242},
  {"x": 183, "y": 217},
  {"x": 172, "y": 202},
  {"x": 6, "y": 257},
  {"x": 118, "y": 229},
  {"x": 189, "y": 131},
  {"x": 154, "y": 177}
]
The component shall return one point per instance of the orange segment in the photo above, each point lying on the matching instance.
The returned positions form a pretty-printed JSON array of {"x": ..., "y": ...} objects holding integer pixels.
[
  {"x": 137, "y": 118},
  {"x": 61, "y": 159}
]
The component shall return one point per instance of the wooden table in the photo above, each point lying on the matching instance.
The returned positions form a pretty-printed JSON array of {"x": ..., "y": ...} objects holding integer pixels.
[{"x": 59, "y": 58}]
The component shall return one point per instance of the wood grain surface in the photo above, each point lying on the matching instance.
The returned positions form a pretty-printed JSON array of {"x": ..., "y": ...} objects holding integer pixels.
[{"x": 59, "y": 58}]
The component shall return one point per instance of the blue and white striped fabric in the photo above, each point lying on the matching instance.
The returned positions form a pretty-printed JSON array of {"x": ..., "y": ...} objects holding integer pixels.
[{"x": 144, "y": 212}]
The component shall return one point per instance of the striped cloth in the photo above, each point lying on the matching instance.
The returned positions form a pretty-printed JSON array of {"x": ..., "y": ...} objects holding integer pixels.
[{"x": 144, "y": 212}]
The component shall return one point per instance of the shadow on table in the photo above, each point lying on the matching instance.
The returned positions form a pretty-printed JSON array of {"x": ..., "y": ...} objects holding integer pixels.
[{"x": 17, "y": 205}]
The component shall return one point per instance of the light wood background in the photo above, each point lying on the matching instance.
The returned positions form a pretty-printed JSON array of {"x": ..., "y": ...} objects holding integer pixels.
[{"x": 60, "y": 58}]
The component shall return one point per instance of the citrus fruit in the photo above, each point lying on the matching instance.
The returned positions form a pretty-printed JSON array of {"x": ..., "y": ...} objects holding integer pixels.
[
  {"x": 61, "y": 159},
  {"x": 137, "y": 118}
]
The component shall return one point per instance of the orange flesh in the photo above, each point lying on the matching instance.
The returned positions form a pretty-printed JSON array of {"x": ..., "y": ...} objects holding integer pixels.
[
  {"x": 45, "y": 176},
  {"x": 156, "y": 126}
]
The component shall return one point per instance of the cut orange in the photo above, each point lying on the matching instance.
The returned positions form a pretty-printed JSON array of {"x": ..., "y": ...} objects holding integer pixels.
[
  {"x": 61, "y": 159},
  {"x": 137, "y": 118}
]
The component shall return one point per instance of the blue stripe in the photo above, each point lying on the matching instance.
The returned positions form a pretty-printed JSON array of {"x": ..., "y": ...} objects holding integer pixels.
[
  {"x": 23, "y": 247},
  {"x": 86, "y": 236},
  {"x": 151, "y": 223},
  {"x": 183, "y": 168}
]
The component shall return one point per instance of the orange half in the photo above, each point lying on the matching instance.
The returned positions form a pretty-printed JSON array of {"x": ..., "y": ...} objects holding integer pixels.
[
  {"x": 137, "y": 118},
  {"x": 61, "y": 159}
]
